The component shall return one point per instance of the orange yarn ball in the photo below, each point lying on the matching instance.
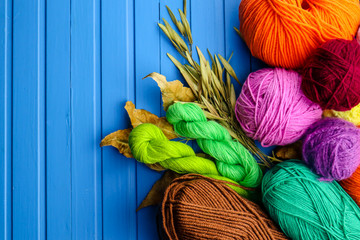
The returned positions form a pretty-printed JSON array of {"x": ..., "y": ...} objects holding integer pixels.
[
  {"x": 352, "y": 186},
  {"x": 283, "y": 33}
]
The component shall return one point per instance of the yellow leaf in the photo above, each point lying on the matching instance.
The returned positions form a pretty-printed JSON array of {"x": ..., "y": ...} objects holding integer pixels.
[
  {"x": 172, "y": 91},
  {"x": 292, "y": 151},
  {"x": 119, "y": 140},
  {"x": 140, "y": 116}
]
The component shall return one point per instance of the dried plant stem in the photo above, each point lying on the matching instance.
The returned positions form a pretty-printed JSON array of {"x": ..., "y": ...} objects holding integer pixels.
[{"x": 211, "y": 84}]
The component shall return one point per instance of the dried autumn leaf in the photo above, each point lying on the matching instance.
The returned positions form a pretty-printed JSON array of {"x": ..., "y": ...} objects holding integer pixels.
[
  {"x": 157, "y": 167},
  {"x": 140, "y": 116},
  {"x": 156, "y": 194},
  {"x": 292, "y": 151},
  {"x": 119, "y": 140},
  {"x": 328, "y": 113},
  {"x": 172, "y": 91}
]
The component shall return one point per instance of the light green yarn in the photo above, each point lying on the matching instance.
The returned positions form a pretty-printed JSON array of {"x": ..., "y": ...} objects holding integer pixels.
[
  {"x": 307, "y": 209},
  {"x": 149, "y": 145},
  {"x": 233, "y": 159}
]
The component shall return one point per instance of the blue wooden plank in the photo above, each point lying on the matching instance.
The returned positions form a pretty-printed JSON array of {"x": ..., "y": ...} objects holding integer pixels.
[
  {"x": 234, "y": 44},
  {"x": 207, "y": 23},
  {"x": 147, "y": 60},
  {"x": 58, "y": 116},
  {"x": 5, "y": 119},
  {"x": 119, "y": 176},
  {"x": 28, "y": 120},
  {"x": 86, "y": 120}
]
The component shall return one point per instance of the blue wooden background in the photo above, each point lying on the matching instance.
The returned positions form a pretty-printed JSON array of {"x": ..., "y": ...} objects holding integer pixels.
[{"x": 67, "y": 68}]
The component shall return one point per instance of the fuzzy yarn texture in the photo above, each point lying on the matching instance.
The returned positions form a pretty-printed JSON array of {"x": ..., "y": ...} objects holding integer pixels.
[
  {"x": 352, "y": 186},
  {"x": 149, "y": 145},
  {"x": 308, "y": 209},
  {"x": 233, "y": 160},
  {"x": 331, "y": 147},
  {"x": 195, "y": 207},
  {"x": 353, "y": 115},
  {"x": 331, "y": 76},
  {"x": 272, "y": 109},
  {"x": 283, "y": 33}
]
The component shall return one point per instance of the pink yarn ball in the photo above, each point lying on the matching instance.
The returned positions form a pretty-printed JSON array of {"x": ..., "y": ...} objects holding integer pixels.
[{"x": 272, "y": 108}]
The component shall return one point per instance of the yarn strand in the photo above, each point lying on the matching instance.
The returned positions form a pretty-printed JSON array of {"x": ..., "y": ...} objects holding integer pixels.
[
  {"x": 232, "y": 159},
  {"x": 149, "y": 145}
]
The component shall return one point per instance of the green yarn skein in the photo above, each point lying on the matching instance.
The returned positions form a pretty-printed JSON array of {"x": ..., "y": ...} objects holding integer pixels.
[
  {"x": 149, "y": 145},
  {"x": 233, "y": 159},
  {"x": 306, "y": 208}
]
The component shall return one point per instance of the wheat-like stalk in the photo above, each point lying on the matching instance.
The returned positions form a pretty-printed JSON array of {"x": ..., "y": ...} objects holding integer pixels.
[{"x": 210, "y": 83}]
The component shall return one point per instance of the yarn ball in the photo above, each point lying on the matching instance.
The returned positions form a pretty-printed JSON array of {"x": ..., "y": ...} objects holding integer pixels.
[
  {"x": 352, "y": 186},
  {"x": 272, "y": 109},
  {"x": 284, "y": 33},
  {"x": 195, "y": 207},
  {"x": 331, "y": 76},
  {"x": 308, "y": 209},
  {"x": 352, "y": 115},
  {"x": 331, "y": 147}
]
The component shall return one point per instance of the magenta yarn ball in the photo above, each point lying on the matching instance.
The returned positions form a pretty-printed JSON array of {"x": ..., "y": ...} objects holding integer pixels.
[
  {"x": 331, "y": 148},
  {"x": 272, "y": 108}
]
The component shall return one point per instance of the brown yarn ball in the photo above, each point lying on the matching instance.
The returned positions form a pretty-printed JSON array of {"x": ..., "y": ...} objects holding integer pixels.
[{"x": 197, "y": 207}]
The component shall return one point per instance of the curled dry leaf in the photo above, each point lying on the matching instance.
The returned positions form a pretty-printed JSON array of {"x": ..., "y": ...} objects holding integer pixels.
[
  {"x": 292, "y": 151},
  {"x": 119, "y": 140},
  {"x": 140, "y": 116},
  {"x": 156, "y": 194},
  {"x": 157, "y": 167},
  {"x": 172, "y": 91},
  {"x": 328, "y": 113}
]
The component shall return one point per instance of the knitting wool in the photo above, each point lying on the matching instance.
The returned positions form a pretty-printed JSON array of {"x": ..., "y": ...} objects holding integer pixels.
[
  {"x": 233, "y": 160},
  {"x": 331, "y": 148},
  {"x": 195, "y": 207},
  {"x": 308, "y": 209},
  {"x": 272, "y": 109},
  {"x": 331, "y": 76},
  {"x": 353, "y": 115},
  {"x": 149, "y": 145},
  {"x": 352, "y": 186},
  {"x": 284, "y": 33}
]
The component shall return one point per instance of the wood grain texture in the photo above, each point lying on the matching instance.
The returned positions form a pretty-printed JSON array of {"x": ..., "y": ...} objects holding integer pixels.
[
  {"x": 5, "y": 118},
  {"x": 58, "y": 120},
  {"x": 67, "y": 69}
]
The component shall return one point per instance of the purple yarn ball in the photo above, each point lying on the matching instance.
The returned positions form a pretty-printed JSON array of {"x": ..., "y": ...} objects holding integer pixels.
[
  {"x": 272, "y": 108},
  {"x": 331, "y": 148}
]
